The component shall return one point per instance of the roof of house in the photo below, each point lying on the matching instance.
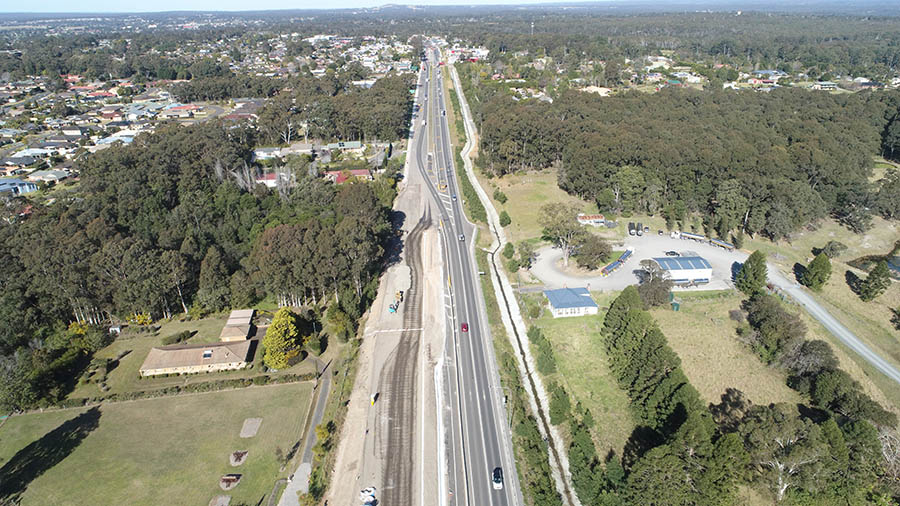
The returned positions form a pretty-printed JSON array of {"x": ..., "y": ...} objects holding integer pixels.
[
  {"x": 242, "y": 314},
  {"x": 186, "y": 355},
  {"x": 238, "y": 330},
  {"x": 564, "y": 298},
  {"x": 682, "y": 263}
]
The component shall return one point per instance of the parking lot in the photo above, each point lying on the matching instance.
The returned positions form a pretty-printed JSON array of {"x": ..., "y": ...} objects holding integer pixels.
[{"x": 647, "y": 246}]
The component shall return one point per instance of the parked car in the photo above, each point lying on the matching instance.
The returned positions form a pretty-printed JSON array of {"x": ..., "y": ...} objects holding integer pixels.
[
  {"x": 647, "y": 230},
  {"x": 659, "y": 232},
  {"x": 630, "y": 228},
  {"x": 640, "y": 229},
  {"x": 673, "y": 254},
  {"x": 497, "y": 478}
]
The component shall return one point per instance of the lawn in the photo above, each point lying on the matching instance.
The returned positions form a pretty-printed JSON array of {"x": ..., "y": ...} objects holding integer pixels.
[
  {"x": 584, "y": 371},
  {"x": 870, "y": 321},
  {"x": 704, "y": 338},
  {"x": 526, "y": 193},
  {"x": 125, "y": 377},
  {"x": 159, "y": 451}
]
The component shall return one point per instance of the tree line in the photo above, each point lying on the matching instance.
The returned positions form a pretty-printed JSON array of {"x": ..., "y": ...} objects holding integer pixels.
[
  {"x": 331, "y": 107},
  {"x": 175, "y": 223},
  {"x": 685, "y": 452},
  {"x": 746, "y": 162}
]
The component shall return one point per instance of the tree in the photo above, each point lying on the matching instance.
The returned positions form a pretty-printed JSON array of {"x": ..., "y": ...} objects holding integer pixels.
[
  {"x": 281, "y": 338},
  {"x": 526, "y": 254},
  {"x": 591, "y": 251},
  {"x": 811, "y": 357},
  {"x": 499, "y": 196},
  {"x": 655, "y": 285},
  {"x": 876, "y": 282},
  {"x": 214, "y": 277},
  {"x": 505, "y": 220},
  {"x": 560, "y": 406},
  {"x": 751, "y": 279},
  {"x": 817, "y": 272},
  {"x": 560, "y": 226},
  {"x": 785, "y": 449}
]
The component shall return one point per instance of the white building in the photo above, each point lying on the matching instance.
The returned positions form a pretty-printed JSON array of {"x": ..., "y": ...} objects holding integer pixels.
[
  {"x": 571, "y": 302},
  {"x": 686, "y": 270}
]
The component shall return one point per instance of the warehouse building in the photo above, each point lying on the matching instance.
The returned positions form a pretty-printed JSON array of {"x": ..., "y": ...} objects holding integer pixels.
[
  {"x": 689, "y": 270},
  {"x": 571, "y": 302}
]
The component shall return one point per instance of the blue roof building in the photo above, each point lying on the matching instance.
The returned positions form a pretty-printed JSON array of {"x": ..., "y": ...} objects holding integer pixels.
[{"x": 571, "y": 302}]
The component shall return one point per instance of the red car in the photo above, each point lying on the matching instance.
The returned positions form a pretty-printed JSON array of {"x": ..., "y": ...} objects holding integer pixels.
[{"x": 465, "y": 327}]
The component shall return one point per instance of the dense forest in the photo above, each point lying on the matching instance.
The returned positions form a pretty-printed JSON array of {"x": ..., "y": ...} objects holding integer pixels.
[
  {"x": 173, "y": 223},
  {"x": 331, "y": 108},
  {"x": 762, "y": 163}
]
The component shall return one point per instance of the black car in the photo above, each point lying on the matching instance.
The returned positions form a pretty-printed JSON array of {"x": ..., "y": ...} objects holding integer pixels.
[
  {"x": 673, "y": 254},
  {"x": 640, "y": 229},
  {"x": 630, "y": 228}
]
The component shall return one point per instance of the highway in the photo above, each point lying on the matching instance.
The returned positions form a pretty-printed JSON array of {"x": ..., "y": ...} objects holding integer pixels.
[{"x": 477, "y": 436}]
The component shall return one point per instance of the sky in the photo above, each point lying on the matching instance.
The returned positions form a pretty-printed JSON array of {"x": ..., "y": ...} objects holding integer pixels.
[{"x": 221, "y": 5}]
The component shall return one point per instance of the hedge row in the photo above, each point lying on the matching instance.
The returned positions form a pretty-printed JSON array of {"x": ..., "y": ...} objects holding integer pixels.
[{"x": 206, "y": 386}]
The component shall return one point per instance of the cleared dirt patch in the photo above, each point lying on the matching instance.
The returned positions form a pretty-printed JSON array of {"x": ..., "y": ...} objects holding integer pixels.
[
  {"x": 251, "y": 427},
  {"x": 237, "y": 458},
  {"x": 229, "y": 481},
  {"x": 220, "y": 500}
]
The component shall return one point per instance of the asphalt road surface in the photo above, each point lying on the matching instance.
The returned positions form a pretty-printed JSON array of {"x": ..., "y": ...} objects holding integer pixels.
[{"x": 476, "y": 430}]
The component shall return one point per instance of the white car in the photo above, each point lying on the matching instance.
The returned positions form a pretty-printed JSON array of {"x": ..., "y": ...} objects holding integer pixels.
[{"x": 367, "y": 494}]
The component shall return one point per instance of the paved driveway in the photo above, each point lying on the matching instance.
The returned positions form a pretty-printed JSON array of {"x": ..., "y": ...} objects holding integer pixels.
[
  {"x": 723, "y": 263},
  {"x": 546, "y": 267}
]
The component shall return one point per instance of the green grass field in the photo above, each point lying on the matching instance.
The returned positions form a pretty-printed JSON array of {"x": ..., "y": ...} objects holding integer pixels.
[
  {"x": 713, "y": 359},
  {"x": 526, "y": 193},
  {"x": 159, "y": 451},
  {"x": 583, "y": 369},
  {"x": 125, "y": 377}
]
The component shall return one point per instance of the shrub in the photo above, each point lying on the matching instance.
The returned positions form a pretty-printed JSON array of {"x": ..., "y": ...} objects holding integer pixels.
[
  {"x": 736, "y": 315},
  {"x": 499, "y": 196},
  {"x": 834, "y": 249},
  {"x": 505, "y": 220},
  {"x": 509, "y": 250},
  {"x": 177, "y": 338}
]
